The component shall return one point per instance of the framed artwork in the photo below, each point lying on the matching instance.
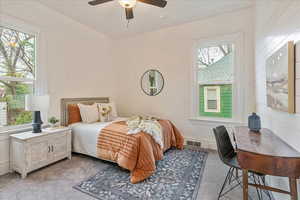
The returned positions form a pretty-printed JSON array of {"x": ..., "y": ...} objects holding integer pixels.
[
  {"x": 280, "y": 72},
  {"x": 152, "y": 82}
]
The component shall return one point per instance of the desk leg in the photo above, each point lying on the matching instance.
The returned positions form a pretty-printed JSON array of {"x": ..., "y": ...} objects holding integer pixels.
[
  {"x": 293, "y": 188},
  {"x": 245, "y": 184}
]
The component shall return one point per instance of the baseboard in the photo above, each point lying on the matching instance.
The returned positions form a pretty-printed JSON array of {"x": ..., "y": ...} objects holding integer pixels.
[{"x": 206, "y": 144}]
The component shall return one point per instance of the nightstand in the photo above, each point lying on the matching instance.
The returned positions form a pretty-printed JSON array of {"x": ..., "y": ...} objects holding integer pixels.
[{"x": 30, "y": 151}]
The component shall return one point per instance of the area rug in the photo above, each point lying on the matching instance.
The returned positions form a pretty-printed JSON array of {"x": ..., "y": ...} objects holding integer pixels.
[{"x": 178, "y": 176}]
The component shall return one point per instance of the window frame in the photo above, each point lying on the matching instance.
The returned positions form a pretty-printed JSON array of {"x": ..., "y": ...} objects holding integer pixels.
[
  {"x": 218, "y": 98},
  {"x": 18, "y": 25},
  {"x": 238, "y": 84}
]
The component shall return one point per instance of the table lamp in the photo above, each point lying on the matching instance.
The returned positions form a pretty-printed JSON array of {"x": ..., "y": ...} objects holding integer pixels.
[{"x": 36, "y": 104}]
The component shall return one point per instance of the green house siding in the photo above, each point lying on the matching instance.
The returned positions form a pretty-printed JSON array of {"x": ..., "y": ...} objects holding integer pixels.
[{"x": 225, "y": 101}]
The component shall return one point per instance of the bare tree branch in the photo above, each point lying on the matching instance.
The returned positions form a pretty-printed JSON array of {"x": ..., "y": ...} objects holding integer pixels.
[
  {"x": 5, "y": 83},
  {"x": 223, "y": 50},
  {"x": 3, "y": 51},
  {"x": 203, "y": 63}
]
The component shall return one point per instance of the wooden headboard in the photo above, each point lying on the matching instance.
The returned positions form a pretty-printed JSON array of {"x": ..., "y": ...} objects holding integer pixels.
[{"x": 65, "y": 101}]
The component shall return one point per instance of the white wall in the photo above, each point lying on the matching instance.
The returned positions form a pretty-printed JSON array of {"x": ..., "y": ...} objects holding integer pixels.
[
  {"x": 77, "y": 59},
  {"x": 276, "y": 25},
  {"x": 170, "y": 51},
  {"x": 79, "y": 63}
]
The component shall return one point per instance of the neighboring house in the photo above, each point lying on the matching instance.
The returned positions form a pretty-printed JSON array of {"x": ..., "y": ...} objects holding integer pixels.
[{"x": 215, "y": 84}]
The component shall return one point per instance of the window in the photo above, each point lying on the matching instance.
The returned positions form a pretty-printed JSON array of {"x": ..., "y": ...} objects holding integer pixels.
[
  {"x": 215, "y": 66},
  {"x": 221, "y": 62},
  {"x": 17, "y": 75},
  {"x": 212, "y": 99}
]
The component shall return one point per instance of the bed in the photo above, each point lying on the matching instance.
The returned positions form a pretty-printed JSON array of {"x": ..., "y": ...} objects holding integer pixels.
[
  {"x": 85, "y": 136},
  {"x": 109, "y": 141}
]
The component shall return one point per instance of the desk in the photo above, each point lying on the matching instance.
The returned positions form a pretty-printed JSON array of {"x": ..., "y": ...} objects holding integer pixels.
[{"x": 266, "y": 153}]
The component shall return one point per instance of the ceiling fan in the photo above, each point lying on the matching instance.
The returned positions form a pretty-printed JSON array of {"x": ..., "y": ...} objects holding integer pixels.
[{"x": 130, "y": 4}]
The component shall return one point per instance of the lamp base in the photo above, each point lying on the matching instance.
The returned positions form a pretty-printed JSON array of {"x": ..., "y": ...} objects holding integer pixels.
[
  {"x": 37, "y": 122},
  {"x": 36, "y": 128}
]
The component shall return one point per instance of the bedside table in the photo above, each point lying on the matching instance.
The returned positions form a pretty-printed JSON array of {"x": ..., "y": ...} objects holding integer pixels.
[{"x": 30, "y": 151}]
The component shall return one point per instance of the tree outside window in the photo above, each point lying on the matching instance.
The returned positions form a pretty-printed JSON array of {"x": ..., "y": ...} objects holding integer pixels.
[{"x": 17, "y": 75}]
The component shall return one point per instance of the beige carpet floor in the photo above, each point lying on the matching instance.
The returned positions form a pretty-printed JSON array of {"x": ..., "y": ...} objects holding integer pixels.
[{"x": 55, "y": 181}]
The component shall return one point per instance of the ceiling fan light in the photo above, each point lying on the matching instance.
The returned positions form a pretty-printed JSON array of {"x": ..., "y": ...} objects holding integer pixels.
[{"x": 127, "y": 3}]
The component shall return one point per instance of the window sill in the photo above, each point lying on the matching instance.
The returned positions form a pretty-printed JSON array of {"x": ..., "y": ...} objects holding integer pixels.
[
  {"x": 212, "y": 120},
  {"x": 18, "y": 130}
]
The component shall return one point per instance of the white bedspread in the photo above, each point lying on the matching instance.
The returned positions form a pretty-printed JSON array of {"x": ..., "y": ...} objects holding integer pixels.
[{"x": 84, "y": 136}]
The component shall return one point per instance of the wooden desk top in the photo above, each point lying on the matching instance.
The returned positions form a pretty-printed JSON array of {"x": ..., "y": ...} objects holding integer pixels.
[
  {"x": 266, "y": 153},
  {"x": 266, "y": 143}
]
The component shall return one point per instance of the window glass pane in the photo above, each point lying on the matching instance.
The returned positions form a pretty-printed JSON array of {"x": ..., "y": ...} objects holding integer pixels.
[
  {"x": 211, "y": 94},
  {"x": 215, "y": 70},
  {"x": 12, "y": 103},
  {"x": 17, "y": 53}
]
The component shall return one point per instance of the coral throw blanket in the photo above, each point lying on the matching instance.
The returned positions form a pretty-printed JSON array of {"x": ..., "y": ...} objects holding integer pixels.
[{"x": 137, "y": 152}]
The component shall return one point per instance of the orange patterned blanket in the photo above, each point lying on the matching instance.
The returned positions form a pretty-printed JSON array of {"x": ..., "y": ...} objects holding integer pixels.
[{"x": 136, "y": 152}]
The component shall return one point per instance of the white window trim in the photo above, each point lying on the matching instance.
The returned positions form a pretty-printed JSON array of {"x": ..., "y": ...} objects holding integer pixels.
[
  {"x": 239, "y": 84},
  {"x": 218, "y": 95},
  {"x": 40, "y": 80}
]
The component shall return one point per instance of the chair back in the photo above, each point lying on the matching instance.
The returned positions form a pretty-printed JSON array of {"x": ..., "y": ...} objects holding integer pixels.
[{"x": 224, "y": 145}]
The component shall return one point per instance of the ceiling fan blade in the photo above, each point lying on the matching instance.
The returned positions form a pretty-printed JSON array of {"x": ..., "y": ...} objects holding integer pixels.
[
  {"x": 158, "y": 3},
  {"x": 129, "y": 13},
  {"x": 97, "y": 2}
]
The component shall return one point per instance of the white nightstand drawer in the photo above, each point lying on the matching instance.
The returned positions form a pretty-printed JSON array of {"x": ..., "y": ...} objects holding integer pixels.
[
  {"x": 38, "y": 154},
  {"x": 59, "y": 146}
]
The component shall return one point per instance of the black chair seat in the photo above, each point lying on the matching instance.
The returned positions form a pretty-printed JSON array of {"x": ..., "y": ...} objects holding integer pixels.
[
  {"x": 228, "y": 156},
  {"x": 232, "y": 161}
]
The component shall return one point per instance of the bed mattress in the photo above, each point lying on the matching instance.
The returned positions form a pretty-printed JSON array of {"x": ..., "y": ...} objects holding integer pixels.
[{"x": 84, "y": 136}]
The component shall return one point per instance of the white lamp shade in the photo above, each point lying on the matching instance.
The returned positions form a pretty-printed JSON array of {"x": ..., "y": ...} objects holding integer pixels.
[{"x": 37, "y": 103}]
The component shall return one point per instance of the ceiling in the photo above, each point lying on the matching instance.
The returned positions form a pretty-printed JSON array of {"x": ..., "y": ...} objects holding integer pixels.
[{"x": 109, "y": 18}]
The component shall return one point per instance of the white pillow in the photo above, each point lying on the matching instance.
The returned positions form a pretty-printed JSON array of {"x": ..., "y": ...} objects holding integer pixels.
[
  {"x": 89, "y": 113},
  {"x": 111, "y": 115}
]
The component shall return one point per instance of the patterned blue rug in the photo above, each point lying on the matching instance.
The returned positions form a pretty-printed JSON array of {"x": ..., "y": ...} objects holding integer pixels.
[{"x": 178, "y": 176}]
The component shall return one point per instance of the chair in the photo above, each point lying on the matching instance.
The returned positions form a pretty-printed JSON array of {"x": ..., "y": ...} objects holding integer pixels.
[{"x": 228, "y": 156}]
